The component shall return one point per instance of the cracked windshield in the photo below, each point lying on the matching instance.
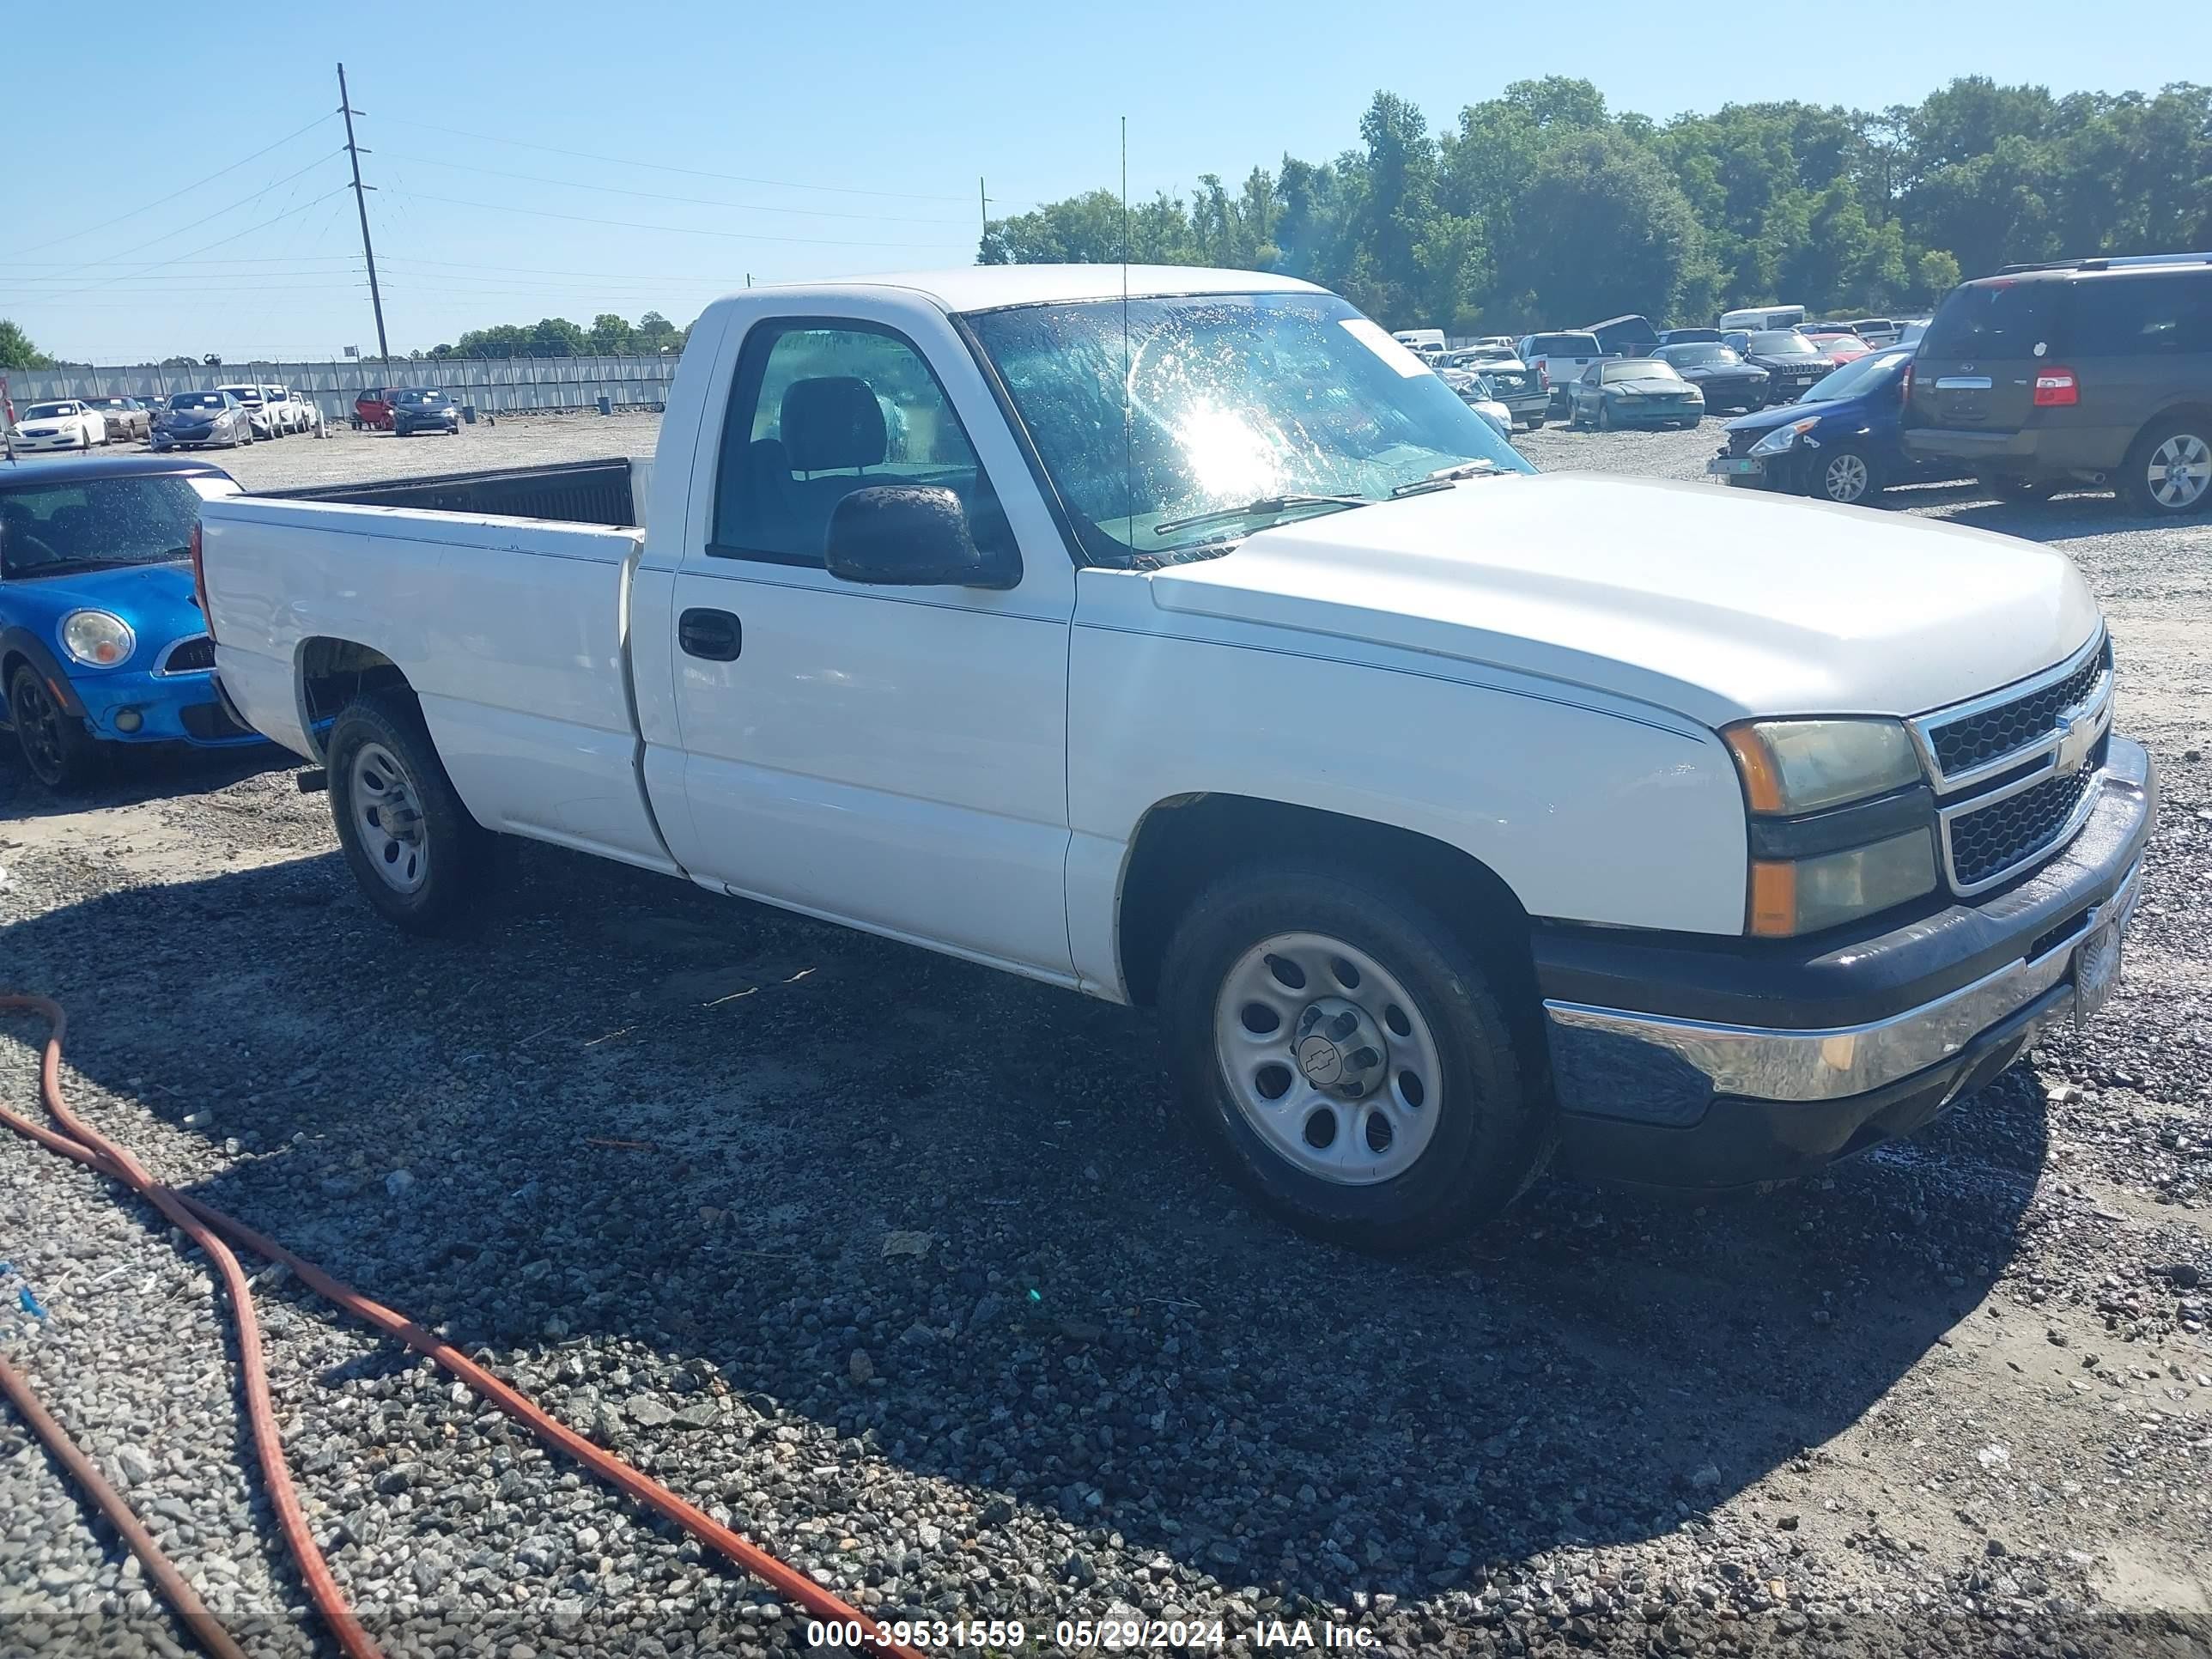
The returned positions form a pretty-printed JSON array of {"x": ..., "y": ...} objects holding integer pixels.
[{"x": 1242, "y": 412}]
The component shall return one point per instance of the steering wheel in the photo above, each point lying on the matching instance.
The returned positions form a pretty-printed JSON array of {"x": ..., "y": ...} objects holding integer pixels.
[{"x": 24, "y": 549}]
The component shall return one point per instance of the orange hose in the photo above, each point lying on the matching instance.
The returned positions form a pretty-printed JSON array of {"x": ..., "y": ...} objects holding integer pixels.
[
  {"x": 202, "y": 1222},
  {"x": 190, "y": 1610}
]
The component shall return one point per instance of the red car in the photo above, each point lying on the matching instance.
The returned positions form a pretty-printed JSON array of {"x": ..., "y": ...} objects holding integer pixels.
[
  {"x": 373, "y": 408},
  {"x": 1839, "y": 348}
]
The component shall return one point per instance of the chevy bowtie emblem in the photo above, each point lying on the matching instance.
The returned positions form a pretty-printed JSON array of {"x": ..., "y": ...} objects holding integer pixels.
[{"x": 2077, "y": 737}]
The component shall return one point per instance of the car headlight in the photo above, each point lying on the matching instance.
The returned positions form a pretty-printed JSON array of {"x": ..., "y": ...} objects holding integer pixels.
[
  {"x": 1783, "y": 437},
  {"x": 1842, "y": 821},
  {"x": 97, "y": 639}
]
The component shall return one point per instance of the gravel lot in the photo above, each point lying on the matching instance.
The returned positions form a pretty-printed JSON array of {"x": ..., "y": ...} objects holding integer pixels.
[{"x": 883, "y": 1264}]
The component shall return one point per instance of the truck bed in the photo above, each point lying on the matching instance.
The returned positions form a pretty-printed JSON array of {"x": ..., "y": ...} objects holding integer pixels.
[{"x": 603, "y": 492}]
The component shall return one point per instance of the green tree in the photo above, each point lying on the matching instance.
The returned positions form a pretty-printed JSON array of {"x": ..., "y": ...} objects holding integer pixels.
[
  {"x": 1937, "y": 274},
  {"x": 611, "y": 337},
  {"x": 1619, "y": 234},
  {"x": 17, "y": 350}
]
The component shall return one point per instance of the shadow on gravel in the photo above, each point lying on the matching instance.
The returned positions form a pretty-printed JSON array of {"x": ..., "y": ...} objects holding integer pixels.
[
  {"x": 647, "y": 1131},
  {"x": 132, "y": 776}
]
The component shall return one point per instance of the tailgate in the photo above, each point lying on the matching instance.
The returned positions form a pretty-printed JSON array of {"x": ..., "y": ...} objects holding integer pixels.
[{"x": 1976, "y": 366}]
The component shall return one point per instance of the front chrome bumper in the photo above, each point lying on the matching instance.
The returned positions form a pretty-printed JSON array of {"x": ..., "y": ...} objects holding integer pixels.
[
  {"x": 1764, "y": 1063},
  {"x": 1688, "y": 1062}
]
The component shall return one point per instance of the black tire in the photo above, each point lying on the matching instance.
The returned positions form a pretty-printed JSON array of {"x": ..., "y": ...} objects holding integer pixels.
[
  {"x": 1604, "y": 416},
  {"x": 1830, "y": 476},
  {"x": 2192, "y": 435},
  {"x": 461, "y": 855},
  {"x": 1490, "y": 1137},
  {"x": 59, "y": 752},
  {"x": 1537, "y": 424}
]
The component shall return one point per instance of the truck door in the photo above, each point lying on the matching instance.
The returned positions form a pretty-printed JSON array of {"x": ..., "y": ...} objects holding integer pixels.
[{"x": 890, "y": 756}]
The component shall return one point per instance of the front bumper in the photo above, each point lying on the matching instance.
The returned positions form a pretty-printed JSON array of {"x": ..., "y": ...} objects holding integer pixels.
[
  {"x": 1705, "y": 1064},
  {"x": 169, "y": 708},
  {"x": 28, "y": 443},
  {"x": 1643, "y": 413}
]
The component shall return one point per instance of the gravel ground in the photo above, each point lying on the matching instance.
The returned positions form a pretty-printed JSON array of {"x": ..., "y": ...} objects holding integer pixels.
[{"x": 867, "y": 1250}]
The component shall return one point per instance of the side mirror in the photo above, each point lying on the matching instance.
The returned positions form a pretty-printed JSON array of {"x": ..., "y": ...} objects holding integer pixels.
[{"x": 912, "y": 536}]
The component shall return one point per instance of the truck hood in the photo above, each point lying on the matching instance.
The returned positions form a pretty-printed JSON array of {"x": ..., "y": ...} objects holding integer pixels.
[{"x": 1718, "y": 604}]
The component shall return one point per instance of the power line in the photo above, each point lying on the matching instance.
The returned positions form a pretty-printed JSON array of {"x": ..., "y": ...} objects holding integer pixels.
[
  {"x": 107, "y": 282},
  {"x": 695, "y": 173},
  {"x": 117, "y": 257},
  {"x": 676, "y": 230},
  {"x": 187, "y": 190},
  {"x": 657, "y": 196}
]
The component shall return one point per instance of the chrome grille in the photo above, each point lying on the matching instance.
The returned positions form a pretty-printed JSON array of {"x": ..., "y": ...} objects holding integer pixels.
[
  {"x": 1984, "y": 844},
  {"x": 1975, "y": 740}
]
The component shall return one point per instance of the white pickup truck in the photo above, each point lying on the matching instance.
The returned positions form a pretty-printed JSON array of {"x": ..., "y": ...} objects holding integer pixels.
[{"x": 1200, "y": 649}]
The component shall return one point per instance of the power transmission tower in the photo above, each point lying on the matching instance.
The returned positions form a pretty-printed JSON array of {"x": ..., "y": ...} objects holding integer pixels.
[{"x": 360, "y": 201}]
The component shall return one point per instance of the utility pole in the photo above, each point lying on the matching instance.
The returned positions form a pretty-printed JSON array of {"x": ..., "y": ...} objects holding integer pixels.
[
  {"x": 984, "y": 201},
  {"x": 360, "y": 201}
]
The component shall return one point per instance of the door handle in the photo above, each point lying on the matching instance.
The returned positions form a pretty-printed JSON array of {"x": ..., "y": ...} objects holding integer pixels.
[{"x": 714, "y": 635}]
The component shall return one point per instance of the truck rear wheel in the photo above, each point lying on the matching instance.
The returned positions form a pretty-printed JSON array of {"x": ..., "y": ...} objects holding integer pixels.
[
  {"x": 424, "y": 864},
  {"x": 1343, "y": 1052}
]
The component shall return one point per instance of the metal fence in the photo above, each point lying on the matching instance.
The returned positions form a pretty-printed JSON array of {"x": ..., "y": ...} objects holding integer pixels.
[{"x": 496, "y": 383}]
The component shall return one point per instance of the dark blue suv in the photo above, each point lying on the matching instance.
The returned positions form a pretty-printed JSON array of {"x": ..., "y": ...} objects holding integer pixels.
[{"x": 1840, "y": 441}]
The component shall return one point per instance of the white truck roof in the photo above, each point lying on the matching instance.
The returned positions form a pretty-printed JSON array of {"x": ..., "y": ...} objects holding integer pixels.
[{"x": 982, "y": 288}]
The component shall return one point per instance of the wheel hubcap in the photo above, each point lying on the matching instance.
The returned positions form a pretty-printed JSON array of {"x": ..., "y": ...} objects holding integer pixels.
[
  {"x": 1327, "y": 1057},
  {"x": 2180, "y": 470},
  {"x": 1847, "y": 478},
  {"x": 389, "y": 817}
]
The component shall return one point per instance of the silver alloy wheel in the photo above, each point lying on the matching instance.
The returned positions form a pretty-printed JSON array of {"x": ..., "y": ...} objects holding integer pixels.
[
  {"x": 389, "y": 818},
  {"x": 2180, "y": 470},
  {"x": 1328, "y": 1058},
  {"x": 1845, "y": 478}
]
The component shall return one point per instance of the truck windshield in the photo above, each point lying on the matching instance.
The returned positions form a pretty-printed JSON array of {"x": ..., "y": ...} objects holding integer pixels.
[
  {"x": 53, "y": 529},
  {"x": 1240, "y": 409}
]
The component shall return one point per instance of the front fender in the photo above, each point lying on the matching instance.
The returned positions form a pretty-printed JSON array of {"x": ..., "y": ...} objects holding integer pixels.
[{"x": 20, "y": 642}]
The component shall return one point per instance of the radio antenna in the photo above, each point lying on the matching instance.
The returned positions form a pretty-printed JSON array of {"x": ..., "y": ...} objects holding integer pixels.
[{"x": 1128, "y": 362}]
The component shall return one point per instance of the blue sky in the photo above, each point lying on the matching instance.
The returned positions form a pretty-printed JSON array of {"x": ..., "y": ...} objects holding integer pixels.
[{"x": 888, "y": 114}]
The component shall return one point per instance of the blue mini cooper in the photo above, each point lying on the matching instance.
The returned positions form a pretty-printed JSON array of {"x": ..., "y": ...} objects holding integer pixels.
[{"x": 101, "y": 639}]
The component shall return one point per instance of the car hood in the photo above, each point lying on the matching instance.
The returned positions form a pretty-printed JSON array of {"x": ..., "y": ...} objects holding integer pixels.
[
  {"x": 1658, "y": 385},
  {"x": 1718, "y": 604},
  {"x": 1765, "y": 420},
  {"x": 155, "y": 600},
  {"x": 1719, "y": 371}
]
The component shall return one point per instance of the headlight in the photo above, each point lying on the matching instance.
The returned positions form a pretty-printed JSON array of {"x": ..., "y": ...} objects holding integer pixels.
[
  {"x": 97, "y": 639},
  {"x": 1783, "y": 437},
  {"x": 1800, "y": 766},
  {"x": 1842, "y": 821},
  {"x": 1790, "y": 897}
]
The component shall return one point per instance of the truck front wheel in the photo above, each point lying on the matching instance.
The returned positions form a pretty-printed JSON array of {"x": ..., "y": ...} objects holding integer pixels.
[
  {"x": 1343, "y": 1053},
  {"x": 419, "y": 858}
]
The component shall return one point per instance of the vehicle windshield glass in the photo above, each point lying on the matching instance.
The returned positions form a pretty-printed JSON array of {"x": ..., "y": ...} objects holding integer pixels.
[
  {"x": 419, "y": 397},
  {"x": 1641, "y": 368},
  {"x": 245, "y": 394},
  {"x": 1716, "y": 355},
  {"x": 48, "y": 411},
  {"x": 53, "y": 528},
  {"x": 1857, "y": 377},
  {"x": 1993, "y": 320},
  {"x": 1564, "y": 345},
  {"x": 196, "y": 400},
  {"x": 1231, "y": 399},
  {"x": 1782, "y": 343}
]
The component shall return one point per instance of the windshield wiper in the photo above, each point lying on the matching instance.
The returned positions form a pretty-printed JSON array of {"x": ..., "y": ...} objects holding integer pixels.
[
  {"x": 1444, "y": 477},
  {"x": 1268, "y": 506}
]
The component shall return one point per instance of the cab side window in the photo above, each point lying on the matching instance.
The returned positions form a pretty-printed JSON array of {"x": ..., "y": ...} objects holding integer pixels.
[{"x": 819, "y": 410}]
